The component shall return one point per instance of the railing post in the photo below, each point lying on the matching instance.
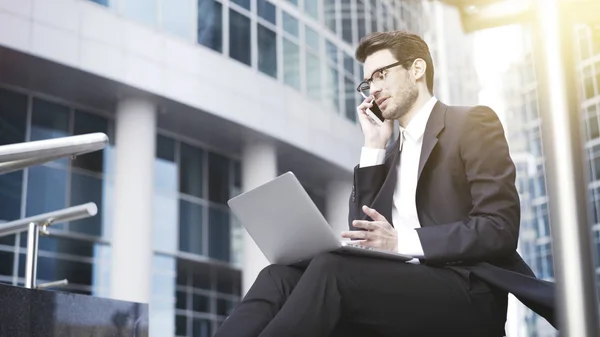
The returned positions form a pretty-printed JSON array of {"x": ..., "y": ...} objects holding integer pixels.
[
  {"x": 577, "y": 312},
  {"x": 33, "y": 235}
]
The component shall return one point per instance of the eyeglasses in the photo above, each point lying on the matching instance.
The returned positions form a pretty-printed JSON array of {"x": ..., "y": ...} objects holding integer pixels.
[{"x": 377, "y": 78}]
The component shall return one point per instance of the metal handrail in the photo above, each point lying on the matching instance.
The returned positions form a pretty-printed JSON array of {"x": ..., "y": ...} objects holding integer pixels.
[
  {"x": 15, "y": 157},
  {"x": 39, "y": 223},
  {"x": 68, "y": 214}
]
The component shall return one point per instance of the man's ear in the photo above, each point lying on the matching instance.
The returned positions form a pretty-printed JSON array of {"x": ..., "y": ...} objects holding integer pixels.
[{"x": 418, "y": 68}]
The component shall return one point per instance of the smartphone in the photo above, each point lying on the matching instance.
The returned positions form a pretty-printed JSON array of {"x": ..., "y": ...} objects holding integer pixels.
[{"x": 375, "y": 113}]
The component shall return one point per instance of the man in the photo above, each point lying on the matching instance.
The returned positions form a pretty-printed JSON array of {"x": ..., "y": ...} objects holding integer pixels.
[{"x": 443, "y": 192}]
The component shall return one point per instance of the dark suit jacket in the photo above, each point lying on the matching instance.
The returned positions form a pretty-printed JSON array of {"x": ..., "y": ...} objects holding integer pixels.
[{"x": 466, "y": 199}]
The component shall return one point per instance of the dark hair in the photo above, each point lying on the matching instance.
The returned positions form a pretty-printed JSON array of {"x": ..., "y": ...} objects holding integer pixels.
[{"x": 405, "y": 46}]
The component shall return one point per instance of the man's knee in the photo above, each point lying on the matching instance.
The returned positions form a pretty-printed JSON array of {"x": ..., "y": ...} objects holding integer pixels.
[
  {"x": 277, "y": 273},
  {"x": 326, "y": 262}
]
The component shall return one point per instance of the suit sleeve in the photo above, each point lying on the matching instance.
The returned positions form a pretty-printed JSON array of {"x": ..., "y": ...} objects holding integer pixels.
[
  {"x": 367, "y": 182},
  {"x": 492, "y": 227}
]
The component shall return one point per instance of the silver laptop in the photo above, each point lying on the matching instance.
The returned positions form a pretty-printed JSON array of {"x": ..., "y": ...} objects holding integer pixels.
[{"x": 289, "y": 228}]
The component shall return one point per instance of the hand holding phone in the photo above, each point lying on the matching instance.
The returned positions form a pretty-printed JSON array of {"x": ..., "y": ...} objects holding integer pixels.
[
  {"x": 375, "y": 113},
  {"x": 376, "y": 129}
]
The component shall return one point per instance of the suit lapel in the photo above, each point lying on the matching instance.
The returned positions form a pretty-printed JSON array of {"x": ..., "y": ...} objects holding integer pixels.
[
  {"x": 435, "y": 125},
  {"x": 384, "y": 198}
]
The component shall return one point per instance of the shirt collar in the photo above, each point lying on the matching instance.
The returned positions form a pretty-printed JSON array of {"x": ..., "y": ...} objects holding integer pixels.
[{"x": 416, "y": 127}]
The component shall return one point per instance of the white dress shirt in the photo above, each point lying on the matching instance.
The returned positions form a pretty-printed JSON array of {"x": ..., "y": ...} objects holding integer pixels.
[{"x": 404, "y": 209}]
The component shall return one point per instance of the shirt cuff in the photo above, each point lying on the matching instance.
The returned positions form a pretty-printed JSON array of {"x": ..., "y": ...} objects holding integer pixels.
[
  {"x": 409, "y": 243},
  {"x": 371, "y": 157}
]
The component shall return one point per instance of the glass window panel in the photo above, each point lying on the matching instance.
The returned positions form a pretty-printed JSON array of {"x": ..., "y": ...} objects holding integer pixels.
[
  {"x": 593, "y": 125},
  {"x": 86, "y": 189},
  {"x": 349, "y": 64},
  {"x": 266, "y": 10},
  {"x": 143, "y": 11},
  {"x": 360, "y": 16},
  {"x": 165, "y": 167},
  {"x": 166, "y": 202},
  {"x": 46, "y": 190},
  {"x": 191, "y": 231},
  {"x": 191, "y": 171},
  {"x": 8, "y": 240},
  {"x": 181, "y": 300},
  {"x": 597, "y": 66},
  {"x": 237, "y": 242},
  {"x": 312, "y": 8},
  {"x": 200, "y": 275},
  {"x": 49, "y": 120},
  {"x": 385, "y": 17},
  {"x": 584, "y": 44},
  {"x": 291, "y": 66},
  {"x": 239, "y": 37},
  {"x": 350, "y": 99},
  {"x": 237, "y": 175},
  {"x": 177, "y": 17},
  {"x": 166, "y": 213},
  {"x": 267, "y": 51},
  {"x": 332, "y": 88},
  {"x": 53, "y": 268},
  {"x": 243, "y": 3},
  {"x": 219, "y": 234},
  {"x": 290, "y": 24},
  {"x": 374, "y": 16},
  {"x": 589, "y": 87},
  {"x": 346, "y": 21},
  {"x": 101, "y": 270},
  {"x": 183, "y": 273},
  {"x": 332, "y": 52},
  {"x": 595, "y": 34},
  {"x": 224, "y": 307},
  {"x": 293, "y": 2},
  {"x": 329, "y": 14},
  {"x": 162, "y": 310},
  {"x": 87, "y": 123},
  {"x": 200, "y": 303},
  {"x": 312, "y": 39},
  {"x": 13, "y": 117},
  {"x": 210, "y": 24},
  {"x": 6, "y": 263},
  {"x": 11, "y": 189},
  {"x": 313, "y": 76},
  {"x": 165, "y": 148},
  {"x": 202, "y": 327},
  {"x": 69, "y": 246},
  {"x": 218, "y": 178},
  {"x": 181, "y": 325},
  {"x": 228, "y": 281}
]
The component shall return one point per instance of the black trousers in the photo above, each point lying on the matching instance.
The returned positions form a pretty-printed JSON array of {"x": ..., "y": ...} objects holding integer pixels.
[{"x": 341, "y": 295}]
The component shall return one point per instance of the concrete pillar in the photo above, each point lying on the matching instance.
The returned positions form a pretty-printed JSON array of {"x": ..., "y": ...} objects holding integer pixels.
[
  {"x": 336, "y": 203},
  {"x": 135, "y": 137},
  {"x": 259, "y": 165}
]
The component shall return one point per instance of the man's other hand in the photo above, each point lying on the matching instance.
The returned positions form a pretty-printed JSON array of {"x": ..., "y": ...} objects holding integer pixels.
[{"x": 377, "y": 234}]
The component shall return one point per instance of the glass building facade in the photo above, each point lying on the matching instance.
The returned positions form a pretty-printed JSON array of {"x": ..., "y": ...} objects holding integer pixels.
[
  {"x": 524, "y": 136},
  {"x": 197, "y": 243},
  {"x": 306, "y": 45}
]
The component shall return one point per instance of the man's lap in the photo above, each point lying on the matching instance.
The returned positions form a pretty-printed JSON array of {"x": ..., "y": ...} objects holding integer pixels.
[{"x": 389, "y": 294}]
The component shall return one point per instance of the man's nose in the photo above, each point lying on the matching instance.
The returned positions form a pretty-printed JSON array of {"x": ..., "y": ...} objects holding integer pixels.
[{"x": 375, "y": 90}]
